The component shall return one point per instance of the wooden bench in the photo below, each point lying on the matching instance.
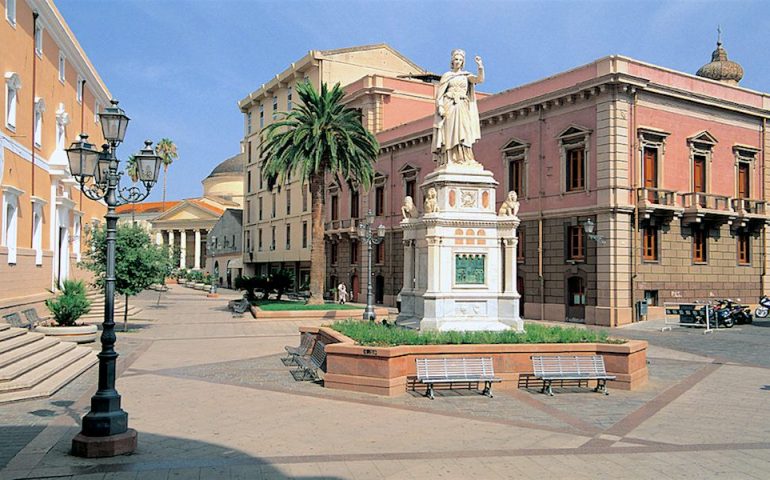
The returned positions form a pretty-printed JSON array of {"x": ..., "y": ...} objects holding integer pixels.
[
  {"x": 573, "y": 367},
  {"x": 304, "y": 347},
  {"x": 309, "y": 364},
  {"x": 431, "y": 371}
]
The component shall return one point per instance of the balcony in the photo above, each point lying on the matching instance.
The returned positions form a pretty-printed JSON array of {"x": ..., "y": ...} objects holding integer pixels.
[
  {"x": 750, "y": 211},
  {"x": 699, "y": 206},
  {"x": 656, "y": 202},
  {"x": 340, "y": 227}
]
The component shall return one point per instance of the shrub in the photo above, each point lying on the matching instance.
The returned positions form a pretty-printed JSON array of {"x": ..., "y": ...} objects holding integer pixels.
[
  {"x": 68, "y": 307},
  {"x": 374, "y": 334},
  {"x": 281, "y": 281}
]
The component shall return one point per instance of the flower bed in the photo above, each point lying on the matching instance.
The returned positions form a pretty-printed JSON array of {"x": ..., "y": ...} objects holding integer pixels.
[{"x": 390, "y": 370}]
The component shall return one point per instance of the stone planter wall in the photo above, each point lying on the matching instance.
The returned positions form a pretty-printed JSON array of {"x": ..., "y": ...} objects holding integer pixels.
[
  {"x": 391, "y": 371},
  {"x": 77, "y": 334},
  {"x": 301, "y": 315}
]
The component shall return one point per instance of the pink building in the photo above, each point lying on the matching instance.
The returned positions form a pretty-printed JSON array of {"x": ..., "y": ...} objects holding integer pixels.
[{"x": 667, "y": 167}]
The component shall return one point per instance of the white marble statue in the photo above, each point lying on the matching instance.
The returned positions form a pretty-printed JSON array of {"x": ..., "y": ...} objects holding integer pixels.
[
  {"x": 510, "y": 207},
  {"x": 342, "y": 293},
  {"x": 431, "y": 204},
  {"x": 456, "y": 123},
  {"x": 408, "y": 208}
]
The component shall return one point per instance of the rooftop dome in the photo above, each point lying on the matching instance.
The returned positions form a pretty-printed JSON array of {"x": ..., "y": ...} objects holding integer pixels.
[
  {"x": 233, "y": 165},
  {"x": 720, "y": 68}
]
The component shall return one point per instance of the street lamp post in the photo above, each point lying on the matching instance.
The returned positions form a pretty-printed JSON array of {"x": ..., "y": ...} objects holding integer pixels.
[
  {"x": 105, "y": 429},
  {"x": 366, "y": 235}
]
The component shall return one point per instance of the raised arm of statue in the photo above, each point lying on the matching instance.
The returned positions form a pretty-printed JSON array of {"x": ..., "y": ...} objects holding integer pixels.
[{"x": 479, "y": 77}]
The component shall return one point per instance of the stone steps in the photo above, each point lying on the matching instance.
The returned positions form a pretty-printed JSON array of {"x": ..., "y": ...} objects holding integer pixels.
[{"x": 33, "y": 366}]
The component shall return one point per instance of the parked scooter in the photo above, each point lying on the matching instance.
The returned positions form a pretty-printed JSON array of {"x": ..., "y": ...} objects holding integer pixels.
[
  {"x": 719, "y": 314},
  {"x": 740, "y": 313},
  {"x": 764, "y": 307}
]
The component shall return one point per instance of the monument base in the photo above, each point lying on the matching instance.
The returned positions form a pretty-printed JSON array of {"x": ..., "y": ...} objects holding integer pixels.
[{"x": 109, "y": 446}]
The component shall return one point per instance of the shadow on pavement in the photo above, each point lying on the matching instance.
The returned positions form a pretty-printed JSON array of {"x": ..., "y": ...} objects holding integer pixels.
[{"x": 156, "y": 456}]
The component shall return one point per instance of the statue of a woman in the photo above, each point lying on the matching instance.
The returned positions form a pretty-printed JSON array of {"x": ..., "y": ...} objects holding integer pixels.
[{"x": 456, "y": 123}]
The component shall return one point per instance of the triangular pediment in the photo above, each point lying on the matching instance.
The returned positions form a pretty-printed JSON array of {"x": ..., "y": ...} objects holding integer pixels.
[
  {"x": 514, "y": 144},
  {"x": 574, "y": 131},
  {"x": 187, "y": 210},
  {"x": 703, "y": 137},
  {"x": 408, "y": 168}
]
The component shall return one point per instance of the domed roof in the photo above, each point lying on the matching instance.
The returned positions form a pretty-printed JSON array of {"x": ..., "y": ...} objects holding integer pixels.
[
  {"x": 720, "y": 68},
  {"x": 233, "y": 165}
]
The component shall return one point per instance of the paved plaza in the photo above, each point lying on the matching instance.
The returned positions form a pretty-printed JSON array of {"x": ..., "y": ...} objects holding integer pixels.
[{"x": 210, "y": 398}]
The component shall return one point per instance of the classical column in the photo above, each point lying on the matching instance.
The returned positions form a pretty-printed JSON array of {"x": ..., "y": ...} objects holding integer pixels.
[
  {"x": 171, "y": 239},
  {"x": 182, "y": 248},
  {"x": 159, "y": 238},
  {"x": 510, "y": 246},
  {"x": 197, "y": 249}
]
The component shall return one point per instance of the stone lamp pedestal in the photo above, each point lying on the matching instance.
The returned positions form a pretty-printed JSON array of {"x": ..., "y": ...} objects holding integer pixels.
[{"x": 460, "y": 256}]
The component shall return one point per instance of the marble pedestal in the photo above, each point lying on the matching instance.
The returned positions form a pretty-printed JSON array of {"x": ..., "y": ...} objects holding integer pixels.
[{"x": 460, "y": 262}]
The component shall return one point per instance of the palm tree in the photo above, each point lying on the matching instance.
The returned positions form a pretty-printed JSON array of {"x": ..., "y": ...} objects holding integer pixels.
[
  {"x": 320, "y": 136},
  {"x": 166, "y": 150}
]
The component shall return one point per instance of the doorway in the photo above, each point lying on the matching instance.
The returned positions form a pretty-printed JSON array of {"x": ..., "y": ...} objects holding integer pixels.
[
  {"x": 576, "y": 300},
  {"x": 379, "y": 290},
  {"x": 520, "y": 290},
  {"x": 355, "y": 288}
]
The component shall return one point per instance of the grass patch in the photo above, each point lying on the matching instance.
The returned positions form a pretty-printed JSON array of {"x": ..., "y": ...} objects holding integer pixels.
[
  {"x": 375, "y": 334},
  {"x": 284, "y": 305}
]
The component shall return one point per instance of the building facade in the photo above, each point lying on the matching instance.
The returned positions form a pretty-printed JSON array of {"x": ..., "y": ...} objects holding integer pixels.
[
  {"x": 277, "y": 222},
  {"x": 51, "y": 94},
  {"x": 225, "y": 248},
  {"x": 636, "y": 182}
]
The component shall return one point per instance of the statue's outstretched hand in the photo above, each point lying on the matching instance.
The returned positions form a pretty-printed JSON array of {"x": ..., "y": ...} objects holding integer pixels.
[{"x": 478, "y": 61}]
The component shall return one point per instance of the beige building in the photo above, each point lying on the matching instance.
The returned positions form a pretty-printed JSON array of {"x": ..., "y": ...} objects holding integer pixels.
[{"x": 277, "y": 223}]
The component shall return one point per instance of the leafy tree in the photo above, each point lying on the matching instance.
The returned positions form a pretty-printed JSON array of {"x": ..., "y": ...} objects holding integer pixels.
[
  {"x": 68, "y": 307},
  {"x": 321, "y": 136},
  {"x": 281, "y": 281},
  {"x": 166, "y": 150},
  {"x": 139, "y": 262}
]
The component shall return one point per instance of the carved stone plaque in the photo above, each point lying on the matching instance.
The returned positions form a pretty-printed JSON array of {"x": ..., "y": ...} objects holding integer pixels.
[{"x": 469, "y": 269}]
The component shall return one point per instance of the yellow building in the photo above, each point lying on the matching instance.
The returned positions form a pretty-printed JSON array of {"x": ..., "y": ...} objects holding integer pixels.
[
  {"x": 276, "y": 223},
  {"x": 51, "y": 93}
]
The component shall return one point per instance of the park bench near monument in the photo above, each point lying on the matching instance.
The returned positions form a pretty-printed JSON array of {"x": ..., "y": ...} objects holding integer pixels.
[
  {"x": 571, "y": 368},
  {"x": 431, "y": 371},
  {"x": 310, "y": 364},
  {"x": 305, "y": 344}
]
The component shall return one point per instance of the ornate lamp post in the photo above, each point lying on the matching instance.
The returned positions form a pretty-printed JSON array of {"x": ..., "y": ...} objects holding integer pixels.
[
  {"x": 105, "y": 429},
  {"x": 366, "y": 235}
]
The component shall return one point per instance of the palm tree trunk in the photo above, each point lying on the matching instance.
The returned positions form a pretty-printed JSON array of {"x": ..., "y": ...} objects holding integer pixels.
[
  {"x": 318, "y": 247},
  {"x": 163, "y": 201}
]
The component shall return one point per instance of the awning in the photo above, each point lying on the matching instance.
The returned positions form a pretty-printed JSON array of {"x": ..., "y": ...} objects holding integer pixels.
[{"x": 236, "y": 263}]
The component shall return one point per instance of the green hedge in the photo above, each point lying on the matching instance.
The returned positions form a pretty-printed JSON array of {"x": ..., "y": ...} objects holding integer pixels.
[
  {"x": 283, "y": 305},
  {"x": 375, "y": 334}
]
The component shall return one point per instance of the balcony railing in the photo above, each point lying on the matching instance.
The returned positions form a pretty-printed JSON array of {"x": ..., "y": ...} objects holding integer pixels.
[
  {"x": 708, "y": 201},
  {"x": 744, "y": 206},
  {"x": 656, "y": 196}
]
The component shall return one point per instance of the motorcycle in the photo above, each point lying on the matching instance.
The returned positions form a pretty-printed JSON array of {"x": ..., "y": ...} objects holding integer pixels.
[
  {"x": 740, "y": 313},
  {"x": 720, "y": 312},
  {"x": 764, "y": 307}
]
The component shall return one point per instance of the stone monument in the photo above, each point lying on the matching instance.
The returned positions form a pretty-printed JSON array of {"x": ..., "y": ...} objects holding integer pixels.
[{"x": 460, "y": 254}]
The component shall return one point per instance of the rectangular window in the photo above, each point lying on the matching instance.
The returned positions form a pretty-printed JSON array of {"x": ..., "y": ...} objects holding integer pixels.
[
  {"x": 699, "y": 247},
  {"x": 411, "y": 189},
  {"x": 248, "y": 151},
  {"x": 80, "y": 86},
  {"x": 650, "y": 243},
  {"x": 259, "y": 239},
  {"x": 247, "y": 239},
  {"x": 10, "y": 106},
  {"x": 744, "y": 180},
  {"x": 272, "y": 237},
  {"x": 38, "y": 127},
  {"x": 275, "y": 201},
  {"x": 288, "y": 202},
  {"x": 522, "y": 235},
  {"x": 304, "y": 199},
  {"x": 575, "y": 169},
  {"x": 248, "y": 125},
  {"x": 516, "y": 175},
  {"x": 379, "y": 201},
  {"x": 288, "y": 100},
  {"x": 62, "y": 65},
  {"x": 10, "y": 11},
  {"x": 261, "y": 180},
  {"x": 576, "y": 249},
  {"x": 248, "y": 181},
  {"x": 275, "y": 107},
  {"x": 261, "y": 116},
  {"x": 288, "y": 237},
  {"x": 97, "y": 109},
  {"x": 259, "y": 213},
  {"x": 334, "y": 253},
  {"x": 335, "y": 207},
  {"x": 304, "y": 234},
  {"x": 354, "y": 252},
  {"x": 248, "y": 211},
  {"x": 380, "y": 253},
  {"x": 354, "y": 204},
  {"x": 744, "y": 249},
  {"x": 39, "y": 40}
]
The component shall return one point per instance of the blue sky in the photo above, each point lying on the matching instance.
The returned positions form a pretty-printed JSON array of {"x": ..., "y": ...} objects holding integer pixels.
[{"x": 179, "y": 67}]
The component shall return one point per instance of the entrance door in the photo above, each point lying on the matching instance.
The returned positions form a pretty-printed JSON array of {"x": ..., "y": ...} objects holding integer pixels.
[
  {"x": 520, "y": 290},
  {"x": 699, "y": 177},
  {"x": 651, "y": 173},
  {"x": 355, "y": 288},
  {"x": 576, "y": 299},
  {"x": 379, "y": 290}
]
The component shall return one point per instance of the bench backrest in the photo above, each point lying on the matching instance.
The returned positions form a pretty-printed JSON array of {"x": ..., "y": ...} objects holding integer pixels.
[
  {"x": 14, "y": 319},
  {"x": 572, "y": 364},
  {"x": 304, "y": 344},
  {"x": 438, "y": 368},
  {"x": 31, "y": 315},
  {"x": 318, "y": 357}
]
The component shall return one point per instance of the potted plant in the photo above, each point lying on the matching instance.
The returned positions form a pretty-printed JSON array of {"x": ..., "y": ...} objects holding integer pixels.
[{"x": 66, "y": 309}]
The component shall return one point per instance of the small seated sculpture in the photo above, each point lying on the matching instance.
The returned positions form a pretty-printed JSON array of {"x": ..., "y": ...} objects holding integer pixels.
[
  {"x": 408, "y": 208},
  {"x": 431, "y": 205},
  {"x": 510, "y": 207}
]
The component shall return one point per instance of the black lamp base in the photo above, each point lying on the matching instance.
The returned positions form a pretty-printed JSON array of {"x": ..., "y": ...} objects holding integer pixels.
[{"x": 109, "y": 446}]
